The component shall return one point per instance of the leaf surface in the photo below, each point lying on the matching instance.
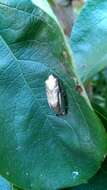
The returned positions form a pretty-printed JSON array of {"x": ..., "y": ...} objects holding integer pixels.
[
  {"x": 40, "y": 150},
  {"x": 98, "y": 182}
]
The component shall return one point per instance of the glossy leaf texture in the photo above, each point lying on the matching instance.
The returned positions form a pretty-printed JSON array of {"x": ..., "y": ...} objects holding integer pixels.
[
  {"x": 98, "y": 182},
  {"x": 89, "y": 39},
  {"x": 5, "y": 185},
  {"x": 38, "y": 149}
]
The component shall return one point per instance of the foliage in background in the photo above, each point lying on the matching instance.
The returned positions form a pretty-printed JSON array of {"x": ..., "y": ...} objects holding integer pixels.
[
  {"x": 66, "y": 12},
  {"x": 88, "y": 39}
]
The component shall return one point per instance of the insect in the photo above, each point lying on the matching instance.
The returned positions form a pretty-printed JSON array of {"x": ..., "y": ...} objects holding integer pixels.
[{"x": 55, "y": 95}]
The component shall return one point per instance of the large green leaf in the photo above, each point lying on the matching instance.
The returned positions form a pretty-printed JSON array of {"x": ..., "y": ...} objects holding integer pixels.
[
  {"x": 89, "y": 39},
  {"x": 4, "y": 184},
  {"x": 38, "y": 149}
]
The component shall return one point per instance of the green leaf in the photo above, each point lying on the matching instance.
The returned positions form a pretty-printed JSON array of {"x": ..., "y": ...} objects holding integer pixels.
[
  {"x": 38, "y": 149},
  {"x": 101, "y": 112},
  {"x": 16, "y": 188},
  {"x": 98, "y": 182},
  {"x": 4, "y": 184},
  {"x": 89, "y": 39}
]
